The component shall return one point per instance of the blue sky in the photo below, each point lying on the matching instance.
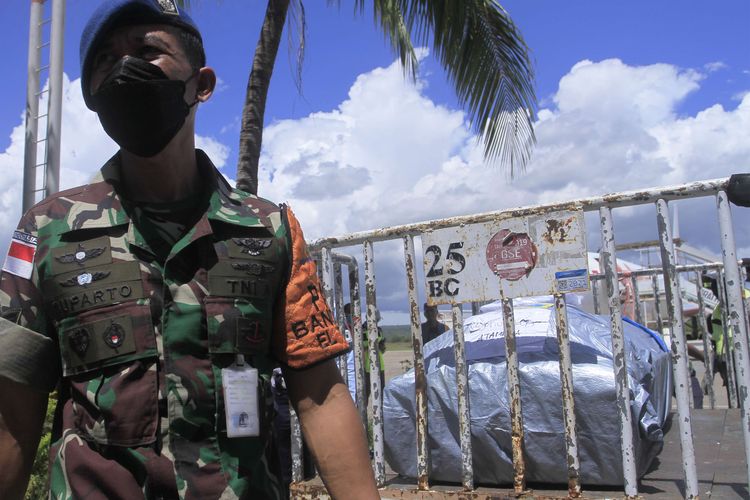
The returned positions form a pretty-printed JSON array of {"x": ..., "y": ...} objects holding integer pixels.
[
  {"x": 341, "y": 45},
  {"x": 632, "y": 95}
]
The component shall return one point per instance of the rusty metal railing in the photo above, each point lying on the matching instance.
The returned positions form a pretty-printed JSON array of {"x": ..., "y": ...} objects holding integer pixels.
[{"x": 659, "y": 198}]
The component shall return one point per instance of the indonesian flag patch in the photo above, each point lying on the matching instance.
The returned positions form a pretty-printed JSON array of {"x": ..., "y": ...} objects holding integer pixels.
[{"x": 20, "y": 259}]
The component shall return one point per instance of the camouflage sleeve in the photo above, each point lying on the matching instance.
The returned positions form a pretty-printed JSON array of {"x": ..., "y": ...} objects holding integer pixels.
[
  {"x": 28, "y": 354},
  {"x": 305, "y": 330}
]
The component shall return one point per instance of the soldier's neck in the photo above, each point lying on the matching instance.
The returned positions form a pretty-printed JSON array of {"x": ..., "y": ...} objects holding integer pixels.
[{"x": 171, "y": 175}]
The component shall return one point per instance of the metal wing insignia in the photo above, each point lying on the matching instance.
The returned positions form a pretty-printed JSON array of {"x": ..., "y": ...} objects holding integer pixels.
[
  {"x": 68, "y": 258},
  {"x": 253, "y": 246},
  {"x": 85, "y": 279},
  {"x": 253, "y": 268},
  {"x": 94, "y": 252},
  {"x": 80, "y": 256}
]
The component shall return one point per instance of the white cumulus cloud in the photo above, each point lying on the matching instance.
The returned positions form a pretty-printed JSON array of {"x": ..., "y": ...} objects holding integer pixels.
[{"x": 389, "y": 155}]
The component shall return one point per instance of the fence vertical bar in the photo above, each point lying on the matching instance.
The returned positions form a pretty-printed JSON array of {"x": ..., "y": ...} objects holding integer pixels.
[
  {"x": 338, "y": 300},
  {"x": 297, "y": 462},
  {"x": 746, "y": 301},
  {"x": 462, "y": 389},
  {"x": 725, "y": 328},
  {"x": 609, "y": 264},
  {"x": 736, "y": 313},
  {"x": 683, "y": 392},
  {"x": 327, "y": 280},
  {"x": 595, "y": 296},
  {"x": 356, "y": 326},
  {"x": 657, "y": 307},
  {"x": 420, "y": 378},
  {"x": 637, "y": 300},
  {"x": 708, "y": 355},
  {"x": 568, "y": 403},
  {"x": 375, "y": 389},
  {"x": 514, "y": 389}
]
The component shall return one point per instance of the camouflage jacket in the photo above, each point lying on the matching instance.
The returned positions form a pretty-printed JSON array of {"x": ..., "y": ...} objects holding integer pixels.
[{"x": 136, "y": 348}]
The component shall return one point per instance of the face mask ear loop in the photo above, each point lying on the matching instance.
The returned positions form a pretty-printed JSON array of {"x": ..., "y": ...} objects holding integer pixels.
[{"x": 196, "y": 101}]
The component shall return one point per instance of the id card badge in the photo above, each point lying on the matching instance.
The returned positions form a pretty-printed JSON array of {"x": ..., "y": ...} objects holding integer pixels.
[{"x": 240, "y": 386}]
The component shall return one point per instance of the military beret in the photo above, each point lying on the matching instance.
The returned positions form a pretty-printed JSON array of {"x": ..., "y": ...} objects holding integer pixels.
[{"x": 113, "y": 14}]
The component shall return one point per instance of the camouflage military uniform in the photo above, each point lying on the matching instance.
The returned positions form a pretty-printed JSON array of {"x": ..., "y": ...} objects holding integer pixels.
[{"x": 136, "y": 347}]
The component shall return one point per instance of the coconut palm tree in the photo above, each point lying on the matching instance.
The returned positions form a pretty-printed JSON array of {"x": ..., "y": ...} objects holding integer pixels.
[{"x": 475, "y": 41}]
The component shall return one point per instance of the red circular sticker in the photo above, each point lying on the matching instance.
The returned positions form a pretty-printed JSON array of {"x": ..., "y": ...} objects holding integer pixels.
[{"x": 511, "y": 256}]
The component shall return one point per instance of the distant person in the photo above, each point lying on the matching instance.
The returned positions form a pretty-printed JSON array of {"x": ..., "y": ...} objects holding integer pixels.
[
  {"x": 718, "y": 336},
  {"x": 432, "y": 328}
]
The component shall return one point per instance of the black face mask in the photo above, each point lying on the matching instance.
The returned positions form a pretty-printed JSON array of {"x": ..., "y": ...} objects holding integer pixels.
[{"x": 139, "y": 107}]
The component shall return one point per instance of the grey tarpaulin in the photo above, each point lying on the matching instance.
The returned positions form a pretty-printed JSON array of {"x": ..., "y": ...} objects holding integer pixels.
[{"x": 544, "y": 439}]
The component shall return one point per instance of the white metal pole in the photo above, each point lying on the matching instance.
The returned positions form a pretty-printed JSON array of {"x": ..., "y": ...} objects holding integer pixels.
[
  {"x": 608, "y": 262},
  {"x": 32, "y": 103},
  {"x": 420, "y": 377},
  {"x": 679, "y": 348},
  {"x": 464, "y": 404},
  {"x": 54, "y": 118},
  {"x": 375, "y": 389},
  {"x": 736, "y": 311}
]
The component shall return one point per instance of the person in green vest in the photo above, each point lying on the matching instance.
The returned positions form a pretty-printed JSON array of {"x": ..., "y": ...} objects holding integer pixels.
[{"x": 722, "y": 355}]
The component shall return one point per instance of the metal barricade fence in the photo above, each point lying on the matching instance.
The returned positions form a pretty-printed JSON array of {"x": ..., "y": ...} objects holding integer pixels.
[{"x": 332, "y": 260}]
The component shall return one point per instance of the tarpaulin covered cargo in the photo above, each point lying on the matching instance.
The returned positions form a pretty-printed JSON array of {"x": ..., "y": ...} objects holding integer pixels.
[{"x": 648, "y": 362}]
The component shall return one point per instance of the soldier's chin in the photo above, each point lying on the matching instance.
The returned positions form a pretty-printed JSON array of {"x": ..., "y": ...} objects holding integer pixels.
[{"x": 140, "y": 152}]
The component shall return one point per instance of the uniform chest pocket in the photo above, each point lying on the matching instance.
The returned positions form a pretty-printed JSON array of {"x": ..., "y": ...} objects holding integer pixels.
[
  {"x": 237, "y": 326},
  {"x": 109, "y": 358}
]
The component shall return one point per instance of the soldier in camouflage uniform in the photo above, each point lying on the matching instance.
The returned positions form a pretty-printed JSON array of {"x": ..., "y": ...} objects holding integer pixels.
[{"x": 136, "y": 299}]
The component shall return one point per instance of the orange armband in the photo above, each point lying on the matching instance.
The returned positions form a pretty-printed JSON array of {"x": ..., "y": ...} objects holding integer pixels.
[{"x": 311, "y": 332}]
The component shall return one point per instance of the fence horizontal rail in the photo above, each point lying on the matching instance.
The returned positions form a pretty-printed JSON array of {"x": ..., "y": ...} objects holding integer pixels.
[{"x": 614, "y": 200}]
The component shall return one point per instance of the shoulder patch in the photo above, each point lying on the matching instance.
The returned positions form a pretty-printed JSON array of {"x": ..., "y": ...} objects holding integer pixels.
[{"x": 20, "y": 258}]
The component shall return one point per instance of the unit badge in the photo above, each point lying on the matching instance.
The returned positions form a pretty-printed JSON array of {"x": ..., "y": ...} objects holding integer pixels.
[
  {"x": 253, "y": 246},
  {"x": 79, "y": 341},
  {"x": 114, "y": 335},
  {"x": 80, "y": 256},
  {"x": 253, "y": 268},
  {"x": 249, "y": 331},
  {"x": 85, "y": 279},
  {"x": 169, "y": 7}
]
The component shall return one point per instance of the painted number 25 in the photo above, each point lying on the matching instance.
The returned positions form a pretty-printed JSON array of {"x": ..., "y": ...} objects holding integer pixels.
[{"x": 458, "y": 261}]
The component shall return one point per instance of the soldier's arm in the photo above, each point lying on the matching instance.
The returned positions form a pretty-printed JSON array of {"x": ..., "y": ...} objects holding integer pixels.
[
  {"x": 22, "y": 411},
  {"x": 333, "y": 430}
]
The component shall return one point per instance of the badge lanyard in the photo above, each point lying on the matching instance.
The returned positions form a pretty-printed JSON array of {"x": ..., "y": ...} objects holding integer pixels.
[{"x": 240, "y": 385}]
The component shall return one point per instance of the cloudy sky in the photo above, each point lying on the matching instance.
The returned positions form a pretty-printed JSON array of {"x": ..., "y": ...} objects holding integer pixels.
[{"x": 632, "y": 95}]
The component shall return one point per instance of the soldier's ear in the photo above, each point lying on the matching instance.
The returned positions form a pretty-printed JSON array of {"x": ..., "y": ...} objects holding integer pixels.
[{"x": 206, "y": 83}]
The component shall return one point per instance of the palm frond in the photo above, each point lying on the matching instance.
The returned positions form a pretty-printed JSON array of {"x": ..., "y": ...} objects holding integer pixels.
[
  {"x": 297, "y": 37},
  {"x": 487, "y": 61},
  {"x": 388, "y": 15}
]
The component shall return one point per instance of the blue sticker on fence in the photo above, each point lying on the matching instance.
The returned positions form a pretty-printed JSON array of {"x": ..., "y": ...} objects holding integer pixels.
[{"x": 575, "y": 280}]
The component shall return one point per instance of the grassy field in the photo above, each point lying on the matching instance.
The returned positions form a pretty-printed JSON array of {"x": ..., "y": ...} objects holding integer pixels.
[{"x": 397, "y": 337}]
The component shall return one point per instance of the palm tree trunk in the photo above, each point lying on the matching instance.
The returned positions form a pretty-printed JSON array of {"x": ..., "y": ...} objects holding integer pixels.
[{"x": 251, "y": 132}]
